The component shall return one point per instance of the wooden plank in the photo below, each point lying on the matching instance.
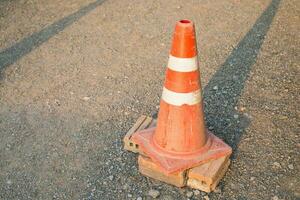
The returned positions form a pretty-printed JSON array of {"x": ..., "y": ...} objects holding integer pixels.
[
  {"x": 128, "y": 145},
  {"x": 143, "y": 122},
  {"x": 148, "y": 168},
  {"x": 208, "y": 172},
  {"x": 206, "y": 177},
  {"x": 220, "y": 176}
]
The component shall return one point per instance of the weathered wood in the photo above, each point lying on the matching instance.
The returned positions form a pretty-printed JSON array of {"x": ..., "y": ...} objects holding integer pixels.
[
  {"x": 207, "y": 176},
  {"x": 148, "y": 168},
  {"x": 204, "y": 177},
  {"x": 143, "y": 122}
]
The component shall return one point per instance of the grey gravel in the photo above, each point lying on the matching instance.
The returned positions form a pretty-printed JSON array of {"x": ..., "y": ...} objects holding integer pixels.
[
  {"x": 56, "y": 145},
  {"x": 111, "y": 177},
  {"x": 217, "y": 190},
  {"x": 276, "y": 164},
  {"x": 154, "y": 193},
  {"x": 206, "y": 197},
  {"x": 196, "y": 192},
  {"x": 275, "y": 198},
  {"x": 291, "y": 166},
  {"x": 189, "y": 194}
]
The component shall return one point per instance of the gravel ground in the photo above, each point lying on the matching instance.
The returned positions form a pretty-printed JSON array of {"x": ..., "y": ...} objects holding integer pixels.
[{"x": 76, "y": 74}]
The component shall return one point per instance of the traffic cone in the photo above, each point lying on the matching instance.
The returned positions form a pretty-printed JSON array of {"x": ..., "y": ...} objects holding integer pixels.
[{"x": 180, "y": 139}]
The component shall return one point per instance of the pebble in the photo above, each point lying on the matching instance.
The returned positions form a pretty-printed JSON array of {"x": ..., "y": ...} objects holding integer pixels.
[
  {"x": 242, "y": 109},
  {"x": 167, "y": 197},
  {"x": 57, "y": 102},
  {"x": 189, "y": 194},
  {"x": 8, "y": 182},
  {"x": 206, "y": 197},
  {"x": 291, "y": 166},
  {"x": 196, "y": 192},
  {"x": 235, "y": 116},
  {"x": 217, "y": 190},
  {"x": 154, "y": 193},
  {"x": 129, "y": 195},
  {"x": 276, "y": 164},
  {"x": 275, "y": 198},
  {"x": 111, "y": 177},
  {"x": 215, "y": 87},
  {"x": 86, "y": 98},
  {"x": 252, "y": 178},
  {"x": 139, "y": 198}
]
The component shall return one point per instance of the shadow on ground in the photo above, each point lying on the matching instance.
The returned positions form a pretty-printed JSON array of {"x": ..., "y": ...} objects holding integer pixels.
[
  {"x": 25, "y": 46},
  {"x": 225, "y": 87}
]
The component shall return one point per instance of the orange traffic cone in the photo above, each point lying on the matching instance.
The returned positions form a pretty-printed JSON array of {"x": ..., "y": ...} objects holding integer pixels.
[{"x": 180, "y": 140}]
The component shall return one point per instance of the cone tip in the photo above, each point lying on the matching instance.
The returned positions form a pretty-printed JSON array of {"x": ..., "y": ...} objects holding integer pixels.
[
  {"x": 184, "y": 24},
  {"x": 184, "y": 44}
]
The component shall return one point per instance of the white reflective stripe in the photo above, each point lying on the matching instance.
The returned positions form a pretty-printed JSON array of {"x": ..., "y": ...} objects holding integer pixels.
[
  {"x": 178, "y": 99},
  {"x": 182, "y": 64}
]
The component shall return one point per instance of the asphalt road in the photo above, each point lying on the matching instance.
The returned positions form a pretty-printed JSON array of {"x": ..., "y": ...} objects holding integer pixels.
[{"x": 76, "y": 74}]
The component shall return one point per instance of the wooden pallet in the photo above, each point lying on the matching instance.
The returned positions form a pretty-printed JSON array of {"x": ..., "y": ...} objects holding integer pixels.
[
  {"x": 204, "y": 177},
  {"x": 143, "y": 122}
]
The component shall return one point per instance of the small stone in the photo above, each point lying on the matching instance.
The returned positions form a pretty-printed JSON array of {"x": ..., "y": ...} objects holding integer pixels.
[
  {"x": 252, "y": 178},
  {"x": 196, "y": 192},
  {"x": 167, "y": 197},
  {"x": 8, "y": 182},
  {"x": 242, "y": 109},
  {"x": 86, "y": 98},
  {"x": 189, "y": 194},
  {"x": 275, "y": 198},
  {"x": 215, "y": 87},
  {"x": 217, "y": 190},
  {"x": 206, "y": 197},
  {"x": 139, "y": 198},
  {"x": 235, "y": 116},
  {"x": 111, "y": 177},
  {"x": 129, "y": 195},
  {"x": 291, "y": 166},
  {"x": 153, "y": 193},
  {"x": 57, "y": 102},
  {"x": 276, "y": 164}
]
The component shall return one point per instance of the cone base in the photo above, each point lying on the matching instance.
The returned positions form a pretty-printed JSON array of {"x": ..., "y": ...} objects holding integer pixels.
[{"x": 169, "y": 162}]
